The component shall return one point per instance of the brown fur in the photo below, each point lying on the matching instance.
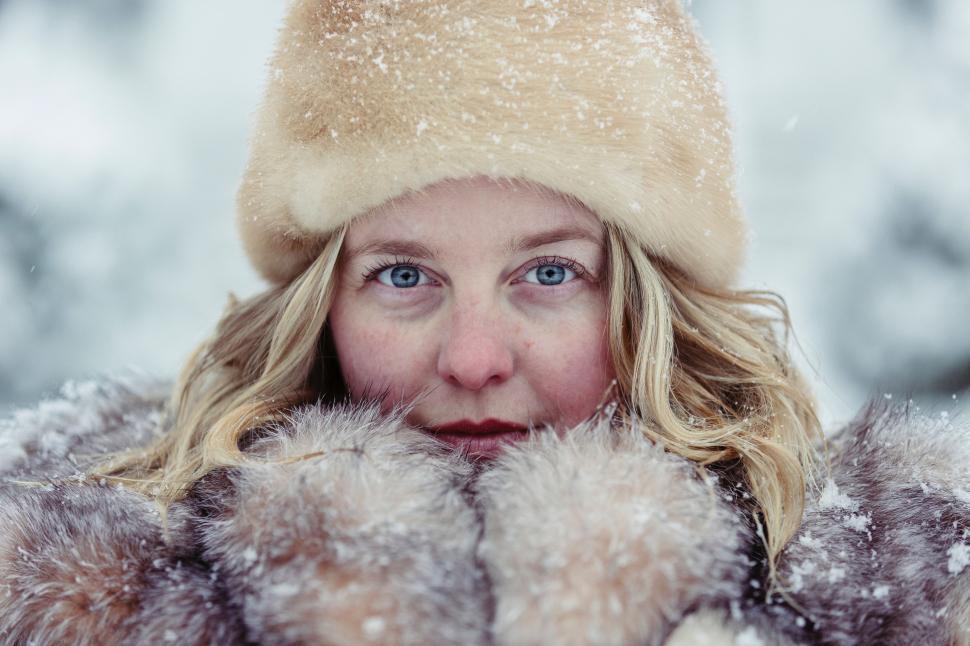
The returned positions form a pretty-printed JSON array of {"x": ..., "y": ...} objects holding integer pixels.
[
  {"x": 87, "y": 565},
  {"x": 335, "y": 546}
]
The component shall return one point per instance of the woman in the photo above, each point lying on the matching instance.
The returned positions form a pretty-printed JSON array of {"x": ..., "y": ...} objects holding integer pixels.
[{"x": 501, "y": 389}]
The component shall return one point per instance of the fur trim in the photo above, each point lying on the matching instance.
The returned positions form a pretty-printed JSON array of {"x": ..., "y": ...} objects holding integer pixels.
[
  {"x": 616, "y": 103},
  {"x": 368, "y": 540},
  {"x": 63, "y": 435},
  {"x": 378, "y": 536},
  {"x": 87, "y": 565},
  {"x": 887, "y": 535},
  {"x": 603, "y": 538}
]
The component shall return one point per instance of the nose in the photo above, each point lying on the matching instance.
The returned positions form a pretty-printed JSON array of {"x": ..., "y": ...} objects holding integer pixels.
[{"x": 474, "y": 351}]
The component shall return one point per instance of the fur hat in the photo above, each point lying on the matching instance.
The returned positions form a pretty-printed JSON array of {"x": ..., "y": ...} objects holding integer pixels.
[{"x": 612, "y": 101}]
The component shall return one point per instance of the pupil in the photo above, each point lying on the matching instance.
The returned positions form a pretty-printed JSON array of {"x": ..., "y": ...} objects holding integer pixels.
[
  {"x": 551, "y": 274},
  {"x": 404, "y": 276}
]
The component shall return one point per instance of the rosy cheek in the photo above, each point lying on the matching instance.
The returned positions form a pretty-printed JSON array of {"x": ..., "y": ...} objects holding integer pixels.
[
  {"x": 377, "y": 360},
  {"x": 358, "y": 365},
  {"x": 571, "y": 371}
]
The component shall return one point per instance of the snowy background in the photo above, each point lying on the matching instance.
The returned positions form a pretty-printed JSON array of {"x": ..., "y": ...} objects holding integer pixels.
[{"x": 123, "y": 128}]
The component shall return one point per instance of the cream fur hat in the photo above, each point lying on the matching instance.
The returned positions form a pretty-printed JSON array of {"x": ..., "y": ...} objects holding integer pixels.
[{"x": 612, "y": 101}]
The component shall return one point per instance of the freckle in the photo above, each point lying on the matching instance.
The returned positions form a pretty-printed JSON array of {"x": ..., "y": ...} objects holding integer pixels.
[{"x": 529, "y": 344}]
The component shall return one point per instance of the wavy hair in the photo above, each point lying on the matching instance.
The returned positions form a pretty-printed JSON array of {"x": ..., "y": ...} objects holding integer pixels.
[{"x": 708, "y": 371}]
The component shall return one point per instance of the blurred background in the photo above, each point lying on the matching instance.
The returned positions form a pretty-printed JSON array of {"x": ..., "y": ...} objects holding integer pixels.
[{"x": 123, "y": 127}]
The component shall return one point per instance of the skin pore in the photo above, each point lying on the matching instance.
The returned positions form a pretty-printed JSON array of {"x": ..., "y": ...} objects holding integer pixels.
[{"x": 485, "y": 298}]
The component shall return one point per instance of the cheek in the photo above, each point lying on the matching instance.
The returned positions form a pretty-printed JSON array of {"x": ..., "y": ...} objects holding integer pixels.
[
  {"x": 374, "y": 354},
  {"x": 570, "y": 368},
  {"x": 360, "y": 371}
]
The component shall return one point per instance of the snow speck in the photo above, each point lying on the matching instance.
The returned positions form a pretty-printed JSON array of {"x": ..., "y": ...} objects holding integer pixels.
[
  {"x": 373, "y": 627},
  {"x": 284, "y": 589},
  {"x": 887, "y": 395},
  {"x": 798, "y": 573},
  {"x": 836, "y": 574},
  {"x": 880, "y": 592},
  {"x": 832, "y": 498},
  {"x": 249, "y": 555},
  {"x": 422, "y": 126},
  {"x": 791, "y": 123},
  {"x": 858, "y": 522},
  {"x": 379, "y": 61},
  {"x": 636, "y": 207},
  {"x": 644, "y": 16},
  {"x": 959, "y": 555},
  {"x": 748, "y": 637},
  {"x": 170, "y": 636}
]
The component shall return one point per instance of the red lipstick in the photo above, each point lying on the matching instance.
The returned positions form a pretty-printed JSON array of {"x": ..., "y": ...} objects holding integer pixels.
[{"x": 479, "y": 439}]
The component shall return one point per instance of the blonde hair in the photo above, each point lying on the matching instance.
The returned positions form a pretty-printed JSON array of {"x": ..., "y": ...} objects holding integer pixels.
[
  {"x": 708, "y": 371},
  {"x": 703, "y": 370}
]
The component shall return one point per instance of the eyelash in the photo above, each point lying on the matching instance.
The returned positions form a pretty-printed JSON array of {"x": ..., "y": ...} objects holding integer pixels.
[
  {"x": 561, "y": 261},
  {"x": 370, "y": 273}
]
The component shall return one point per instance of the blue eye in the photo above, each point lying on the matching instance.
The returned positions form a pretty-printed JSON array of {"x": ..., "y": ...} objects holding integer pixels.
[
  {"x": 550, "y": 274},
  {"x": 402, "y": 276}
]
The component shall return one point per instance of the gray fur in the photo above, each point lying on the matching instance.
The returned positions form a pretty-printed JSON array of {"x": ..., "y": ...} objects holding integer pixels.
[
  {"x": 64, "y": 434},
  {"x": 884, "y": 546},
  {"x": 382, "y": 537}
]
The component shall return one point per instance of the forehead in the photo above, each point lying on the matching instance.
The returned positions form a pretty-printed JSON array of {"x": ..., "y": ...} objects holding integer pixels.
[{"x": 487, "y": 214}]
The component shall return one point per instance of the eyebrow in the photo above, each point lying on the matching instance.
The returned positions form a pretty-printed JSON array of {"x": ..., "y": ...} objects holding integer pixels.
[
  {"x": 515, "y": 245},
  {"x": 394, "y": 247},
  {"x": 548, "y": 237}
]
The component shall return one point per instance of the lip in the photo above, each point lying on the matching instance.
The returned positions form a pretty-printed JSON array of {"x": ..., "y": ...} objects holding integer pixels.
[
  {"x": 481, "y": 440},
  {"x": 468, "y": 427}
]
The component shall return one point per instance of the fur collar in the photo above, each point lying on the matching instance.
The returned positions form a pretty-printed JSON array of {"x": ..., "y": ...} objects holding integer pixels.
[{"x": 381, "y": 537}]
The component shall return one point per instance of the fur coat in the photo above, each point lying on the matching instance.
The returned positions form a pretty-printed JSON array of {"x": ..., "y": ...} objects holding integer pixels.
[{"x": 380, "y": 537}]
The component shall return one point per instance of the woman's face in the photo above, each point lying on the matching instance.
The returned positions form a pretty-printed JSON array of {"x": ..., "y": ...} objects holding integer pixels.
[{"x": 488, "y": 299}]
